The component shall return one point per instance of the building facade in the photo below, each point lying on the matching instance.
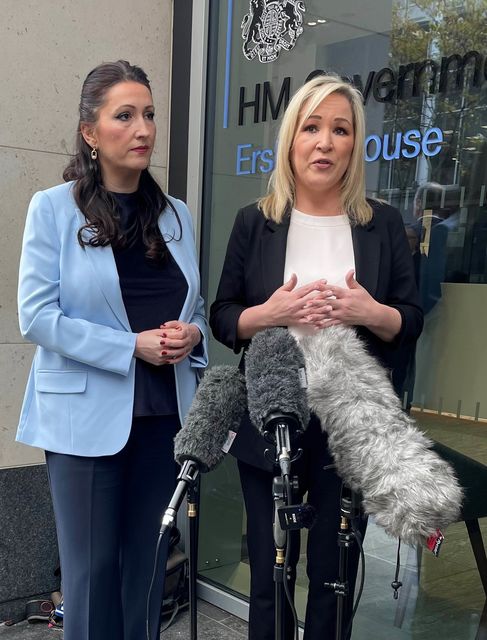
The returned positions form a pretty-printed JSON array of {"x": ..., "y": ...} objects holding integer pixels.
[
  {"x": 222, "y": 73},
  {"x": 47, "y": 50},
  {"x": 422, "y": 69}
]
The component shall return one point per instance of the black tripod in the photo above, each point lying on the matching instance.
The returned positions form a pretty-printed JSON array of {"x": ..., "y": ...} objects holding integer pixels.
[{"x": 349, "y": 511}]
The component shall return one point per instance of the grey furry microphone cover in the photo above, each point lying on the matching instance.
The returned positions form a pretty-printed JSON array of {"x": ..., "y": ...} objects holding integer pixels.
[
  {"x": 272, "y": 365},
  {"x": 217, "y": 408},
  {"x": 378, "y": 450}
]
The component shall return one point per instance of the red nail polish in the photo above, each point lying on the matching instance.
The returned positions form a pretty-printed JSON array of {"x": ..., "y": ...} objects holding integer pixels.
[
  {"x": 163, "y": 353},
  {"x": 164, "y": 335},
  {"x": 162, "y": 342}
]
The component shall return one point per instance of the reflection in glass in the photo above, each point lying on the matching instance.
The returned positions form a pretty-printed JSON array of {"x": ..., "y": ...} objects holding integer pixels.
[{"x": 417, "y": 64}]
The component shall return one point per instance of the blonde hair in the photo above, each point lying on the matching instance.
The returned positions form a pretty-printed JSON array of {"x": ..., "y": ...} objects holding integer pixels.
[{"x": 281, "y": 191}]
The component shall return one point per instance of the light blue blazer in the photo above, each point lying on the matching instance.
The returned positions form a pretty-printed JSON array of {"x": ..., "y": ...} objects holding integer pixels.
[{"x": 80, "y": 391}]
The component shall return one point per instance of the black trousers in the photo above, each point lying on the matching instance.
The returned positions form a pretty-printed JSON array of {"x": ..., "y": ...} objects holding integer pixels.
[
  {"x": 324, "y": 489},
  {"x": 108, "y": 513}
]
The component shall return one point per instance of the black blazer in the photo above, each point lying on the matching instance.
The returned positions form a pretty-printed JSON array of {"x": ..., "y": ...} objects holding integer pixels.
[{"x": 254, "y": 268}]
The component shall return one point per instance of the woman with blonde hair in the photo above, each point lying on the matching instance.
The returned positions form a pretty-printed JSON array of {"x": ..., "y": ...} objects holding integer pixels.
[{"x": 314, "y": 252}]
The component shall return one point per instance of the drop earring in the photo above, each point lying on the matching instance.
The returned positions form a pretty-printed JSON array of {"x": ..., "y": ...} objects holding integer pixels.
[{"x": 94, "y": 153}]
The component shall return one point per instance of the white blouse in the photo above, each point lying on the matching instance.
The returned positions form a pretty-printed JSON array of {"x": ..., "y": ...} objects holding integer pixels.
[{"x": 318, "y": 247}]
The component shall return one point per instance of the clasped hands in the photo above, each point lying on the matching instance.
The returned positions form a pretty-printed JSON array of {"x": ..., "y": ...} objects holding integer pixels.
[
  {"x": 169, "y": 344},
  {"x": 319, "y": 304}
]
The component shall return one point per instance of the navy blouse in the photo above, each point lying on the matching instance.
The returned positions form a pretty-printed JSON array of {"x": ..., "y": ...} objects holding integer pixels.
[{"x": 153, "y": 293}]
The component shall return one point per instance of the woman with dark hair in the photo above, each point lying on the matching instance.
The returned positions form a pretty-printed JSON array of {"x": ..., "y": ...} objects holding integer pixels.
[
  {"x": 291, "y": 261},
  {"x": 109, "y": 293}
]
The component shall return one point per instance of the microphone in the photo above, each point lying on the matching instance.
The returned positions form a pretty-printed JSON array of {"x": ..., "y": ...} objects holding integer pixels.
[
  {"x": 201, "y": 444},
  {"x": 217, "y": 408},
  {"x": 275, "y": 375},
  {"x": 378, "y": 450}
]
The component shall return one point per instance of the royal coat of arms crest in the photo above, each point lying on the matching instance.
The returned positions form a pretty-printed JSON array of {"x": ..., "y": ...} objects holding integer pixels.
[{"x": 271, "y": 25}]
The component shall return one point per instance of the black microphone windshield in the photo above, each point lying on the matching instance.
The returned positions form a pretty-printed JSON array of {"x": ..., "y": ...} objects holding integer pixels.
[
  {"x": 217, "y": 408},
  {"x": 274, "y": 366}
]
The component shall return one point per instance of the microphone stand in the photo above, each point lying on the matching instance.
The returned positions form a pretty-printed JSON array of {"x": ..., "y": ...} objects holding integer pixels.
[
  {"x": 277, "y": 430},
  {"x": 349, "y": 509},
  {"x": 186, "y": 478},
  {"x": 186, "y": 481},
  {"x": 193, "y": 503},
  {"x": 280, "y": 543}
]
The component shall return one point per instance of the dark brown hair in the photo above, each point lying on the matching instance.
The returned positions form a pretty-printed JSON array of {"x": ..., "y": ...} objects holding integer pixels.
[{"x": 96, "y": 203}]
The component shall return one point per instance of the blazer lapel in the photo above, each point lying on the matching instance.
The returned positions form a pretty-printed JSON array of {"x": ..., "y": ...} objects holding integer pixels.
[
  {"x": 106, "y": 276},
  {"x": 273, "y": 254},
  {"x": 366, "y": 249},
  {"x": 171, "y": 231}
]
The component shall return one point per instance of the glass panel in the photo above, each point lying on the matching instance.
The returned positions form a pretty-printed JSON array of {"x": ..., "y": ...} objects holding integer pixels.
[{"x": 422, "y": 67}]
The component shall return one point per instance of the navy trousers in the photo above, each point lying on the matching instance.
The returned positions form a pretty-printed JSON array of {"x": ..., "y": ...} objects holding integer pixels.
[
  {"x": 324, "y": 488},
  {"x": 108, "y": 513}
]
